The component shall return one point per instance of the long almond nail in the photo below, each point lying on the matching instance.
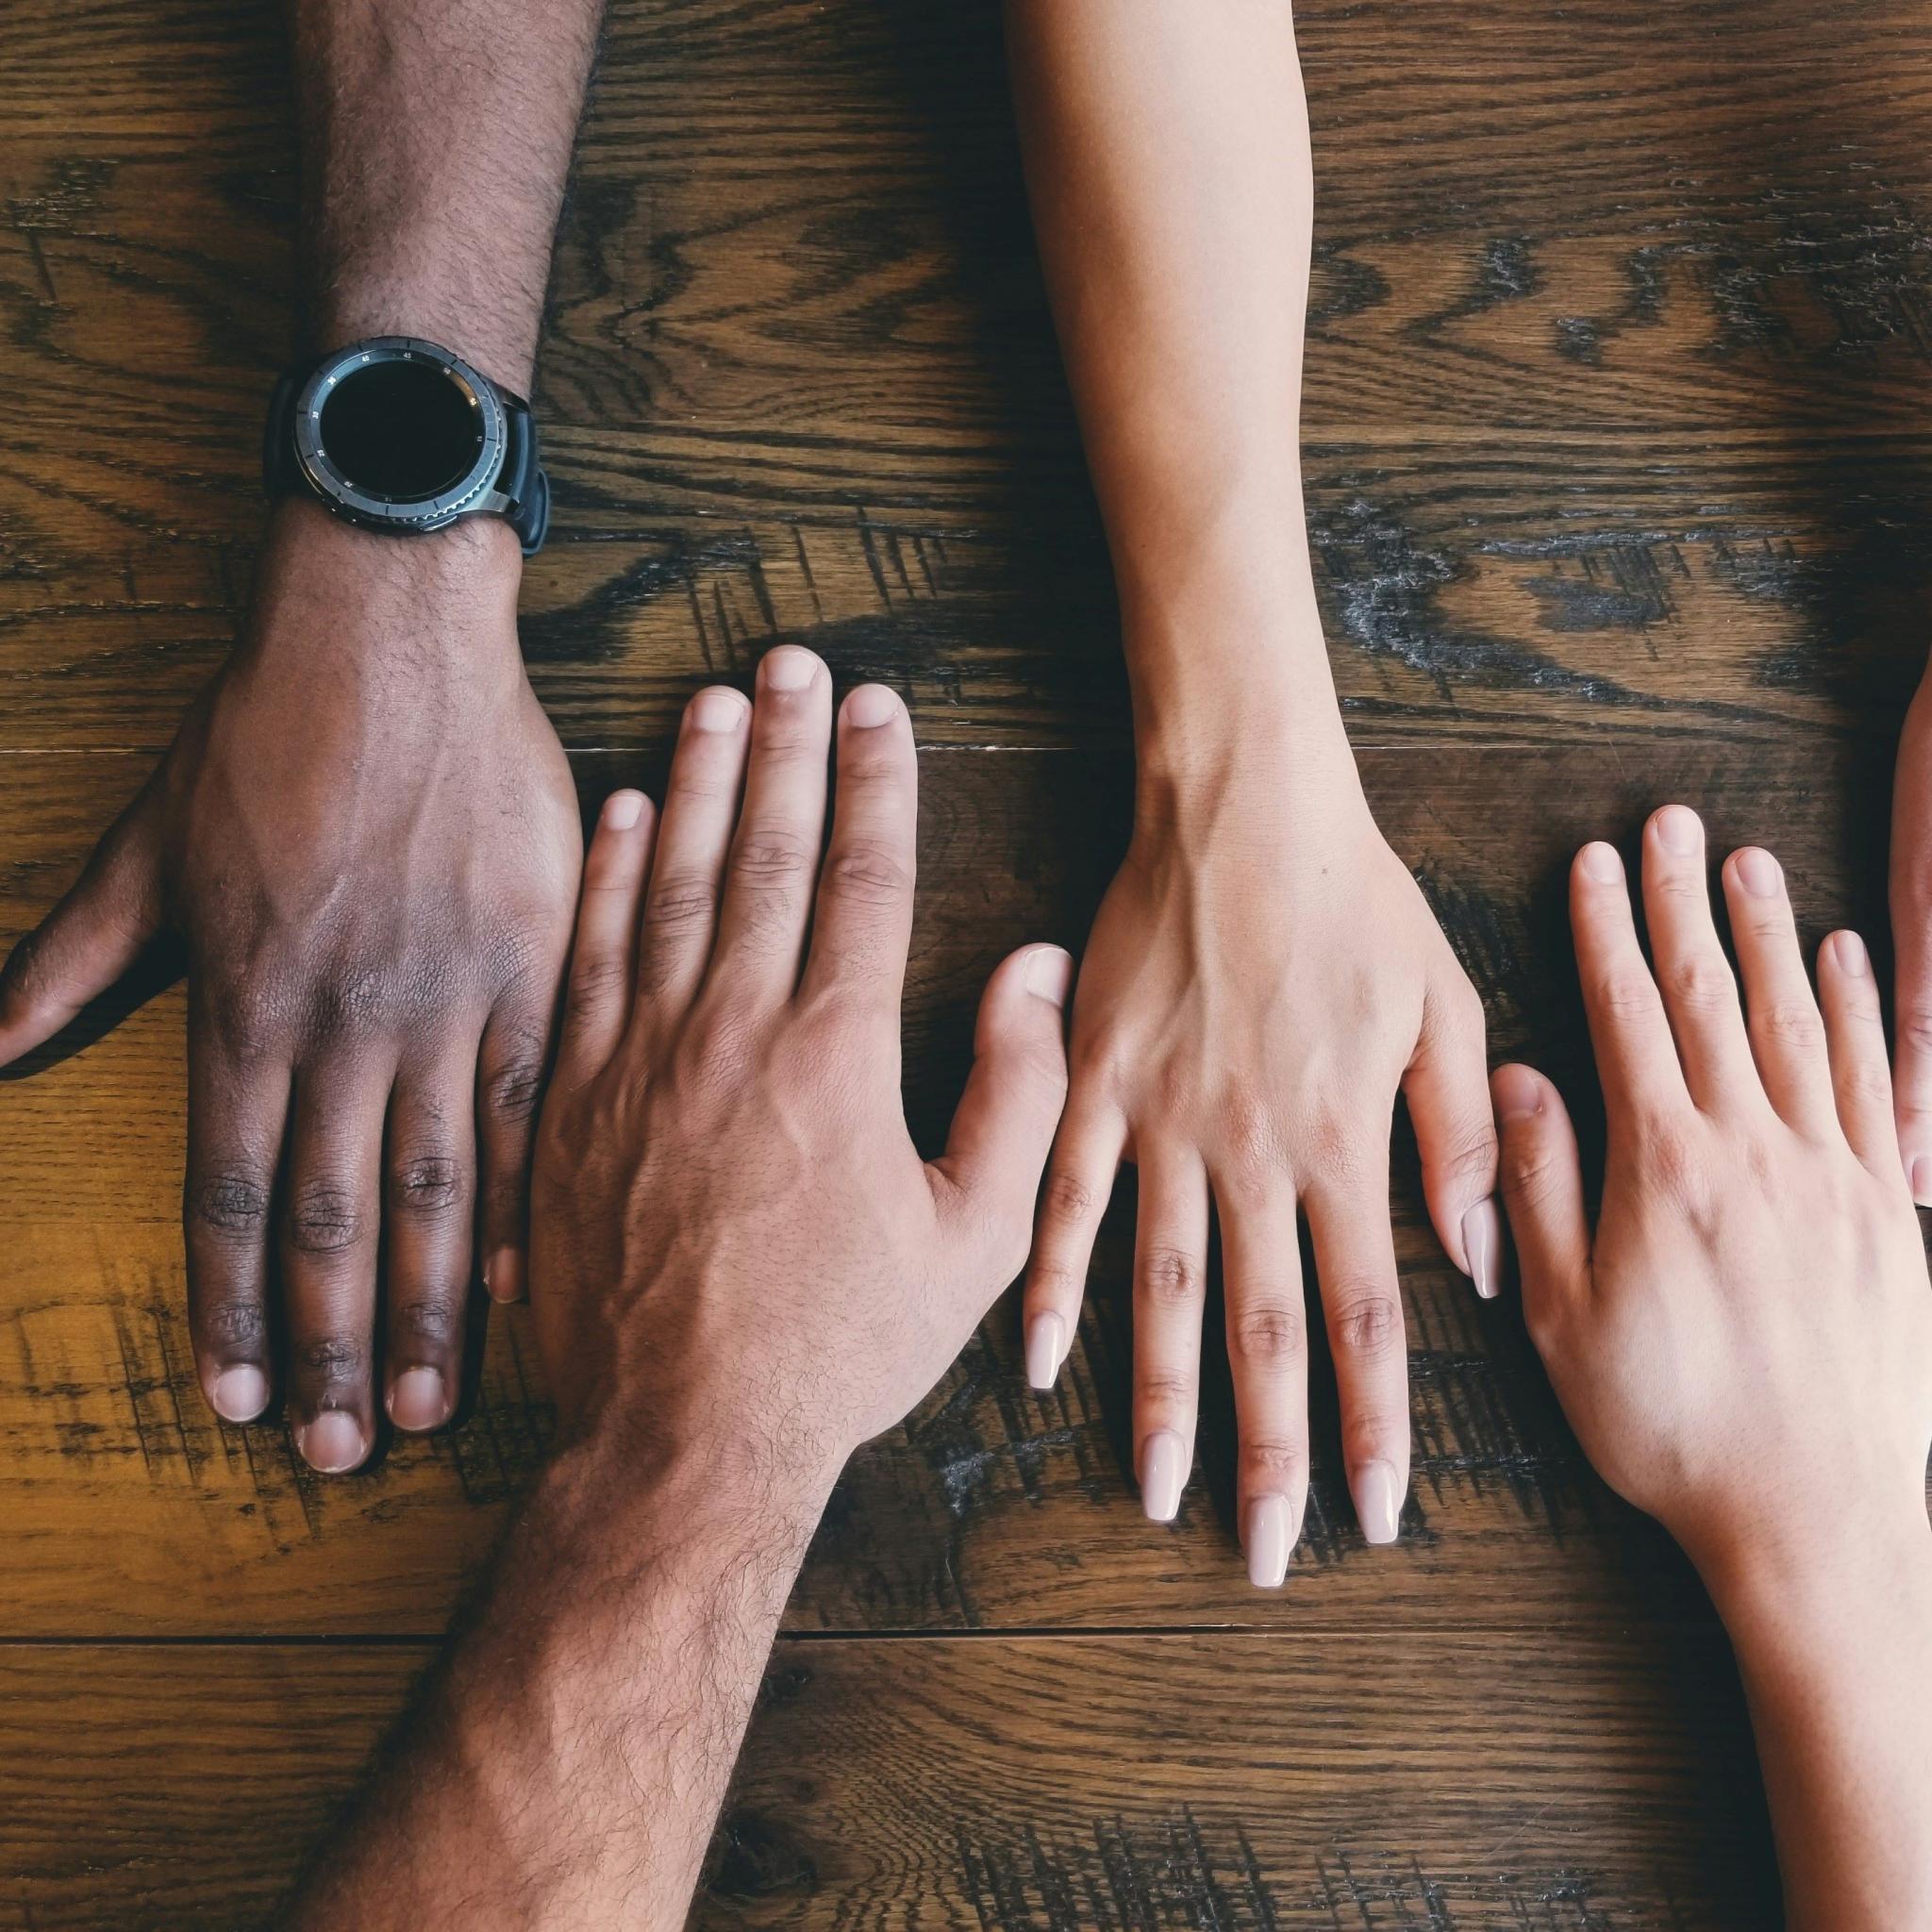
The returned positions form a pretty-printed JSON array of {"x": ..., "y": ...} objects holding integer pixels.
[
  {"x": 240, "y": 1394},
  {"x": 1482, "y": 1241},
  {"x": 1045, "y": 1339},
  {"x": 1377, "y": 1502},
  {"x": 332, "y": 1443},
  {"x": 1271, "y": 1524},
  {"x": 1163, "y": 1471}
]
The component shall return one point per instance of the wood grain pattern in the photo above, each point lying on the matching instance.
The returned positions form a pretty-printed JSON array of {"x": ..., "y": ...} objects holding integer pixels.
[
  {"x": 1618, "y": 467},
  {"x": 1028, "y": 1783}
]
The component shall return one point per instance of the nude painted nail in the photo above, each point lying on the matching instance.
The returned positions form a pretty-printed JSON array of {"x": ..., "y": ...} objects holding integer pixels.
[
  {"x": 1848, "y": 949},
  {"x": 1046, "y": 1337},
  {"x": 1482, "y": 1241},
  {"x": 1163, "y": 1471},
  {"x": 1050, "y": 974},
  {"x": 1377, "y": 1502},
  {"x": 418, "y": 1400},
  {"x": 622, "y": 809},
  {"x": 503, "y": 1274},
  {"x": 1271, "y": 1525},
  {"x": 240, "y": 1394},
  {"x": 332, "y": 1443},
  {"x": 1676, "y": 827},
  {"x": 870, "y": 705},
  {"x": 1600, "y": 863},
  {"x": 1922, "y": 1179},
  {"x": 1759, "y": 874},
  {"x": 789, "y": 667},
  {"x": 717, "y": 711}
]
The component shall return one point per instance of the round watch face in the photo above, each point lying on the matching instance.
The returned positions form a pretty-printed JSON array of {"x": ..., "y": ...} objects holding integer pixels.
[{"x": 400, "y": 433}]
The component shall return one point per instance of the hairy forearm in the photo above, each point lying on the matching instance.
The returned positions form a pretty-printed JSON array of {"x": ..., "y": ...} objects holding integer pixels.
[
  {"x": 569, "y": 1757},
  {"x": 436, "y": 136},
  {"x": 1167, "y": 157},
  {"x": 1836, "y": 1653}
]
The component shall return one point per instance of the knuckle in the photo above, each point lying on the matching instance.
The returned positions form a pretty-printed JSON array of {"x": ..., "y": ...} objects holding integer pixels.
[
  {"x": 1366, "y": 1322},
  {"x": 1865, "y": 1081},
  {"x": 770, "y": 858},
  {"x": 1070, "y": 1202},
  {"x": 1251, "y": 1156},
  {"x": 427, "y": 1184},
  {"x": 1530, "y": 1176},
  {"x": 1671, "y": 1161},
  {"x": 332, "y": 1358},
  {"x": 866, "y": 873},
  {"x": 600, "y": 978},
  {"x": 1702, "y": 984},
  {"x": 229, "y": 1201},
  {"x": 235, "y": 1322},
  {"x": 1163, "y": 1388},
  {"x": 1626, "y": 994},
  {"x": 1284, "y": 1460},
  {"x": 1472, "y": 1154},
  {"x": 1793, "y": 1022},
  {"x": 434, "y": 1319},
  {"x": 514, "y": 1088},
  {"x": 1915, "y": 1027},
  {"x": 1268, "y": 1334},
  {"x": 1170, "y": 1277},
  {"x": 326, "y": 1218},
  {"x": 680, "y": 901}
]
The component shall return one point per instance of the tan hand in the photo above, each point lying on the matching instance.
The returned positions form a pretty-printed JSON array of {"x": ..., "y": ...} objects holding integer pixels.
[
  {"x": 1262, "y": 978},
  {"x": 1744, "y": 1346},
  {"x": 727, "y": 1207}
]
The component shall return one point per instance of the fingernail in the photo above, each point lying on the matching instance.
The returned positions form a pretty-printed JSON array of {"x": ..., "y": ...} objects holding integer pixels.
[
  {"x": 1517, "y": 1093},
  {"x": 1482, "y": 1241},
  {"x": 622, "y": 809},
  {"x": 1377, "y": 1502},
  {"x": 788, "y": 668},
  {"x": 240, "y": 1394},
  {"x": 1922, "y": 1179},
  {"x": 1676, "y": 827},
  {"x": 1050, "y": 973},
  {"x": 1848, "y": 949},
  {"x": 1600, "y": 863},
  {"x": 332, "y": 1443},
  {"x": 1045, "y": 1337},
  {"x": 1269, "y": 1541},
  {"x": 1163, "y": 1471},
  {"x": 1759, "y": 874},
  {"x": 717, "y": 711},
  {"x": 503, "y": 1274},
  {"x": 418, "y": 1401},
  {"x": 871, "y": 704}
]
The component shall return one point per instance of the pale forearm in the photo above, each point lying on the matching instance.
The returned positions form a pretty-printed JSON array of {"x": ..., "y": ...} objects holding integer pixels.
[
  {"x": 1167, "y": 155},
  {"x": 435, "y": 143},
  {"x": 570, "y": 1759},
  {"x": 1836, "y": 1656}
]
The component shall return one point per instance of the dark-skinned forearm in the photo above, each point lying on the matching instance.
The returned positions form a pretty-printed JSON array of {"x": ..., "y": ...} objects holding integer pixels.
[
  {"x": 571, "y": 1755},
  {"x": 436, "y": 137}
]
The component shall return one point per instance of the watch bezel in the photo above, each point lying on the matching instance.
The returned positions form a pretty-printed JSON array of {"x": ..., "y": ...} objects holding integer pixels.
[{"x": 469, "y": 492}]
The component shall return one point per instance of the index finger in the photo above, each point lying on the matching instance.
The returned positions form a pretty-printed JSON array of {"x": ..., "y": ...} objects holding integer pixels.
[{"x": 862, "y": 924}]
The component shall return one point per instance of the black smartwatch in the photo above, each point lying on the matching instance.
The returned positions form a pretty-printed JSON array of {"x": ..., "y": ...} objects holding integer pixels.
[{"x": 399, "y": 435}]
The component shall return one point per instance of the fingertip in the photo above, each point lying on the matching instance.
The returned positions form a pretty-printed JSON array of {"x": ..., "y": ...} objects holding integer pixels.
[
  {"x": 791, "y": 668},
  {"x": 622, "y": 810},
  {"x": 1754, "y": 871},
  {"x": 1599, "y": 864},
  {"x": 502, "y": 1275},
  {"x": 870, "y": 706},
  {"x": 239, "y": 1394},
  {"x": 1677, "y": 829},
  {"x": 1049, "y": 973},
  {"x": 1519, "y": 1094},
  {"x": 1046, "y": 1348},
  {"x": 1844, "y": 952},
  {"x": 717, "y": 707}
]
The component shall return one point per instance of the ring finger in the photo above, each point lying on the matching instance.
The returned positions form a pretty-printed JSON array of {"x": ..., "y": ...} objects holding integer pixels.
[{"x": 1170, "y": 1297}]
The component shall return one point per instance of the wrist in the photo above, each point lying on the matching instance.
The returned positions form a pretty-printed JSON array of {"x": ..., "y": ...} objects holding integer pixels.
[
  {"x": 346, "y": 592},
  {"x": 1818, "y": 1572}
]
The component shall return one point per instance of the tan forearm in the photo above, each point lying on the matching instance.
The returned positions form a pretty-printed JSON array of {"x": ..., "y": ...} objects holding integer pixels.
[{"x": 1167, "y": 157}]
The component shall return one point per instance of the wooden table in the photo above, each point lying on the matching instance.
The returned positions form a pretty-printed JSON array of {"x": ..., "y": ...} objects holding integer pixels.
[{"x": 1617, "y": 471}]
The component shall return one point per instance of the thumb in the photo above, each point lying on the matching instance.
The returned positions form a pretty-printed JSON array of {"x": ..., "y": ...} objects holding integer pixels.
[
  {"x": 1542, "y": 1189},
  {"x": 91, "y": 937},
  {"x": 986, "y": 1180}
]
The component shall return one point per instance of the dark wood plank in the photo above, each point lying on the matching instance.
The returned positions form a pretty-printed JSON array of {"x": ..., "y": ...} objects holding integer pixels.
[
  {"x": 1331, "y": 1783},
  {"x": 993, "y": 1507}
]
